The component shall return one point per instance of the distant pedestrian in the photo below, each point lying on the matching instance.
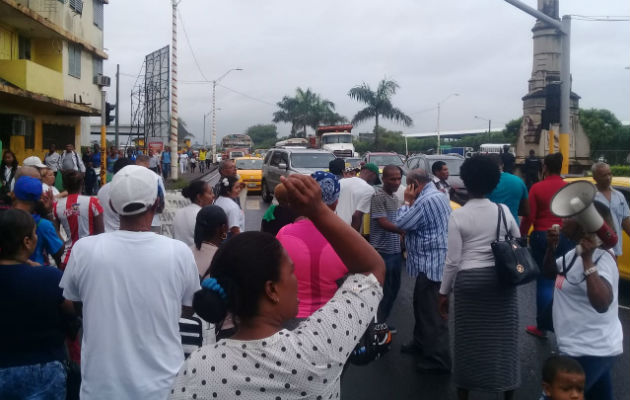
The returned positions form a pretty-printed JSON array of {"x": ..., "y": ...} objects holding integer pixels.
[
  {"x": 533, "y": 169},
  {"x": 511, "y": 191},
  {"x": 183, "y": 162},
  {"x": 51, "y": 159},
  {"x": 614, "y": 200},
  {"x": 230, "y": 190},
  {"x": 509, "y": 161},
  {"x": 70, "y": 160},
  {"x": 8, "y": 169},
  {"x": 336, "y": 167},
  {"x": 111, "y": 219},
  {"x": 385, "y": 237},
  {"x": 356, "y": 195},
  {"x": 541, "y": 217},
  {"x": 200, "y": 195},
  {"x": 166, "y": 162},
  {"x": 133, "y": 284},
  {"x": 424, "y": 218},
  {"x": 486, "y": 312},
  {"x": 112, "y": 157},
  {"x": 48, "y": 183},
  {"x": 154, "y": 162},
  {"x": 440, "y": 172},
  {"x": 211, "y": 226},
  {"x": 79, "y": 215}
]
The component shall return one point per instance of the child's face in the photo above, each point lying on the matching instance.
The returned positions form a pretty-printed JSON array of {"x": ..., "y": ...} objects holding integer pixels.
[{"x": 566, "y": 386}]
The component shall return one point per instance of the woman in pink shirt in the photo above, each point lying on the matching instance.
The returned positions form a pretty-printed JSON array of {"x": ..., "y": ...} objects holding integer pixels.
[{"x": 318, "y": 268}]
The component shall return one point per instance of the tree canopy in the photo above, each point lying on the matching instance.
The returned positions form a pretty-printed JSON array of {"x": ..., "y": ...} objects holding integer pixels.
[
  {"x": 379, "y": 105},
  {"x": 263, "y": 136},
  {"x": 306, "y": 109},
  {"x": 609, "y": 138}
]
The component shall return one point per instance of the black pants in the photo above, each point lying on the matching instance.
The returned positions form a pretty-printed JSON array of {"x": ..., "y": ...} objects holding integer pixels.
[{"x": 430, "y": 332}]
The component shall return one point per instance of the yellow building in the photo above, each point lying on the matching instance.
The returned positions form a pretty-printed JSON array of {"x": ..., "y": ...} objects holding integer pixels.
[{"x": 50, "y": 53}]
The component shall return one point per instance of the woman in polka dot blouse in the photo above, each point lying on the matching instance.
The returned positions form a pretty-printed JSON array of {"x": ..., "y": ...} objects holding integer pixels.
[{"x": 253, "y": 279}]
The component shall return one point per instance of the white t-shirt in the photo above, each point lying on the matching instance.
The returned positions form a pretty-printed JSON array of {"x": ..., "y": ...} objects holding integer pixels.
[
  {"x": 46, "y": 187},
  {"x": 233, "y": 211},
  {"x": 133, "y": 286},
  {"x": 580, "y": 329},
  {"x": 356, "y": 194},
  {"x": 111, "y": 220},
  {"x": 184, "y": 223},
  {"x": 157, "y": 221},
  {"x": 305, "y": 363}
]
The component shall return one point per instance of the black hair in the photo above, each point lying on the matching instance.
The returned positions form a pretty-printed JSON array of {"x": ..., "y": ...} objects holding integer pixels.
[
  {"x": 496, "y": 158},
  {"x": 480, "y": 175},
  {"x": 241, "y": 266},
  {"x": 437, "y": 166},
  {"x": 225, "y": 189},
  {"x": 72, "y": 180},
  {"x": 15, "y": 225},
  {"x": 557, "y": 363},
  {"x": 392, "y": 167},
  {"x": 553, "y": 162},
  {"x": 122, "y": 163},
  {"x": 209, "y": 219},
  {"x": 194, "y": 189},
  {"x": 14, "y": 164},
  {"x": 336, "y": 166}
]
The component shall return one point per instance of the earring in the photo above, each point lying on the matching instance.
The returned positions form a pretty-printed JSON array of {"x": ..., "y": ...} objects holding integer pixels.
[
  {"x": 224, "y": 236},
  {"x": 276, "y": 300}
]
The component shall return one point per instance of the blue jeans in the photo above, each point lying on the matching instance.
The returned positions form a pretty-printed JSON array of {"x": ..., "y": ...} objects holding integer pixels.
[
  {"x": 391, "y": 286},
  {"x": 544, "y": 286},
  {"x": 598, "y": 383},
  {"x": 34, "y": 382},
  {"x": 166, "y": 170}
]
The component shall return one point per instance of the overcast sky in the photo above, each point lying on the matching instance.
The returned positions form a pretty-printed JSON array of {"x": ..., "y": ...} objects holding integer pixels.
[{"x": 481, "y": 49}]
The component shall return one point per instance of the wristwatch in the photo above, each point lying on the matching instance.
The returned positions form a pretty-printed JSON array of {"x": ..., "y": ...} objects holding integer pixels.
[{"x": 590, "y": 271}]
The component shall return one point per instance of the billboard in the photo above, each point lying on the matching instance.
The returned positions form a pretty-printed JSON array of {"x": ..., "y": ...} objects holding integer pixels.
[{"x": 157, "y": 123}]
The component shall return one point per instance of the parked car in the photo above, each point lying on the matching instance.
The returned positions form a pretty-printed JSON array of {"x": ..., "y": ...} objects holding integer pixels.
[
  {"x": 287, "y": 161},
  {"x": 453, "y": 161},
  {"x": 623, "y": 185},
  {"x": 381, "y": 159},
  {"x": 250, "y": 170}
]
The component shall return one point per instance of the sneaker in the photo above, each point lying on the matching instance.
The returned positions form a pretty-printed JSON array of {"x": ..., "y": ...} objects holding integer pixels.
[{"x": 534, "y": 331}]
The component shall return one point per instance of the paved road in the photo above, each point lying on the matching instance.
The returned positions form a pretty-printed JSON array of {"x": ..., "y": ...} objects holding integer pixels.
[{"x": 394, "y": 377}]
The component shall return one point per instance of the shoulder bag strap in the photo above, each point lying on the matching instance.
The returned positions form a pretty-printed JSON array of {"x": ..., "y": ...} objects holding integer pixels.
[
  {"x": 508, "y": 236},
  {"x": 499, "y": 213}
]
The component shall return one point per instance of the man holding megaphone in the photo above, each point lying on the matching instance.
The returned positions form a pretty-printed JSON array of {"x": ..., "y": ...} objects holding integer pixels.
[{"x": 585, "y": 307}]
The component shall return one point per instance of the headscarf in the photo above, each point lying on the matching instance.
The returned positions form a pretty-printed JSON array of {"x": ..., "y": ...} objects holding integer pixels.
[{"x": 329, "y": 185}]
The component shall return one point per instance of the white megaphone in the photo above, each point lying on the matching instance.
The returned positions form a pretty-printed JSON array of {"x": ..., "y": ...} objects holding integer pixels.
[{"x": 576, "y": 200}]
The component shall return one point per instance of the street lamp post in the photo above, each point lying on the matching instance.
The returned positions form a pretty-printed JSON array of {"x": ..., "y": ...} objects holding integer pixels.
[
  {"x": 489, "y": 123},
  {"x": 204, "y": 128},
  {"x": 438, "y": 119},
  {"x": 214, "y": 112}
]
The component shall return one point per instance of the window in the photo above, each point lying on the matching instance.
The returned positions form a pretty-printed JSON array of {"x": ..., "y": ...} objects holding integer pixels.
[
  {"x": 76, "y": 6},
  {"x": 97, "y": 66},
  {"x": 74, "y": 60},
  {"x": 311, "y": 160},
  {"x": 98, "y": 13},
  {"x": 24, "y": 48}
]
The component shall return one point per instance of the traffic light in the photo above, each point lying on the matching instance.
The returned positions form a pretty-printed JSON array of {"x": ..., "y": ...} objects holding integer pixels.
[{"x": 108, "y": 113}]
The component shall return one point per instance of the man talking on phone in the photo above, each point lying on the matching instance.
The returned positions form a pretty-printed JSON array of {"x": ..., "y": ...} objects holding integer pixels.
[{"x": 424, "y": 218}]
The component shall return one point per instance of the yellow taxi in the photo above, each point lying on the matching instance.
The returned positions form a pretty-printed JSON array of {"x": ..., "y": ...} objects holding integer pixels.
[
  {"x": 250, "y": 170},
  {"x": 622, "y": 184}
]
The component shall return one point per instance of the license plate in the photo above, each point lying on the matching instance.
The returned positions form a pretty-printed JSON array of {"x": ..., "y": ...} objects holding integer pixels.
[{"x": 252, "y": 185}]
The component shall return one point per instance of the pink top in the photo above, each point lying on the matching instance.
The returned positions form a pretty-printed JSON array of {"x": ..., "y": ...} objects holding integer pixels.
[{"x": 317, "y": 265}]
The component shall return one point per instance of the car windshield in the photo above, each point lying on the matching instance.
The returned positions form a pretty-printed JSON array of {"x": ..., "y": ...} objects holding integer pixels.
[
  {"x": 311, "y": 160},
  {"x": 235, "y": 154},
  {"x": 336, "y": 139},
  {"x": 386, "y": 160},
  {"x": 249, "y": 164}
]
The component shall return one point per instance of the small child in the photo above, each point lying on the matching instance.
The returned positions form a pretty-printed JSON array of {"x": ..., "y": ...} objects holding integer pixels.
[{"x": 563, "y": 379}]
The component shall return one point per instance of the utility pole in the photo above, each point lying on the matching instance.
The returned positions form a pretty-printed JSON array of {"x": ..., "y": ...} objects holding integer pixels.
[
  {"x": 214, "y": 111},
  {"x": 117, "y": 108},
  {"x": 438, "y": 119},
  {"x": 174, "y": 116},
  {"x": 103, "y": 138},
  {"x": 564, "y": 27}
]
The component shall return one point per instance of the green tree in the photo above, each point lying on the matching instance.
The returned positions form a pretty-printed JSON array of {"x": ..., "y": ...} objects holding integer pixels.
[
  {"x": 306, "y": 109},
  {"x": 379, "y": 105},
  {"x": 263, "y": 136},
  {"x": 609, "y": 138}
]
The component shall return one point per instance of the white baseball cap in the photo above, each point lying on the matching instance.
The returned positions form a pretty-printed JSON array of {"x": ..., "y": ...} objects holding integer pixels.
[
  {"x": 33, "y": 161},
  {"x": 134, "y": 190}
]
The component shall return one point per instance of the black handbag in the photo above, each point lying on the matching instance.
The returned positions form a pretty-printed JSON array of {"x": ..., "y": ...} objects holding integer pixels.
[{"x": 513, "y": 262}]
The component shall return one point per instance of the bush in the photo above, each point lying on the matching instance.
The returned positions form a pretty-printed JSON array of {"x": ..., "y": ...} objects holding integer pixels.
[{"x": 620, "y": 170}]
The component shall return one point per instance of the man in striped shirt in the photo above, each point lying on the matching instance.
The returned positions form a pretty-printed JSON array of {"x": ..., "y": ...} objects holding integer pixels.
[
  {"x": 79, "y": 215},
  {"x": 424, "y": 218}
]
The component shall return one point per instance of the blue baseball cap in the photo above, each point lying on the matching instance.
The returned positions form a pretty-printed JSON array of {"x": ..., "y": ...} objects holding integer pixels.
[
  {"x": 329, "y": 185},
  {"x": 28, "y": 188}
]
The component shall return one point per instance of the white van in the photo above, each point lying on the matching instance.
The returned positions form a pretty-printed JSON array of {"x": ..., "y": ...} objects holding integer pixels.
[{"x": 497, "y": 148}]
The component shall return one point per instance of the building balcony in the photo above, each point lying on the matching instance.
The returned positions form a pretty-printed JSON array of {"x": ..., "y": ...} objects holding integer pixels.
[{"x": 33, "y": 77}]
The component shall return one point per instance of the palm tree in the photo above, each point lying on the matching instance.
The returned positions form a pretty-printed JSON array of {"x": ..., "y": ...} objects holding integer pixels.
[
  {"x": 306, "y": 109},
  {"x": 378, "y": 105}
]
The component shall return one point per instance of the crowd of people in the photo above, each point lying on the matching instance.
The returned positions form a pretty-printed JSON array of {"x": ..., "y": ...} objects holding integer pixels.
[{"x": 287, "y": 305}]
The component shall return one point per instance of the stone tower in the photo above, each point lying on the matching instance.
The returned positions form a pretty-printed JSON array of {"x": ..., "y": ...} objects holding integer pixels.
[{"x": 541, "y": 105}]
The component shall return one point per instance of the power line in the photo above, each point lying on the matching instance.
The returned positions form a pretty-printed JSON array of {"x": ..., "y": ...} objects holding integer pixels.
[
  {"x": 247, "y": 96},
  {"x": 190, "y": 46},
  {"x": 601, "y": 18}
]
